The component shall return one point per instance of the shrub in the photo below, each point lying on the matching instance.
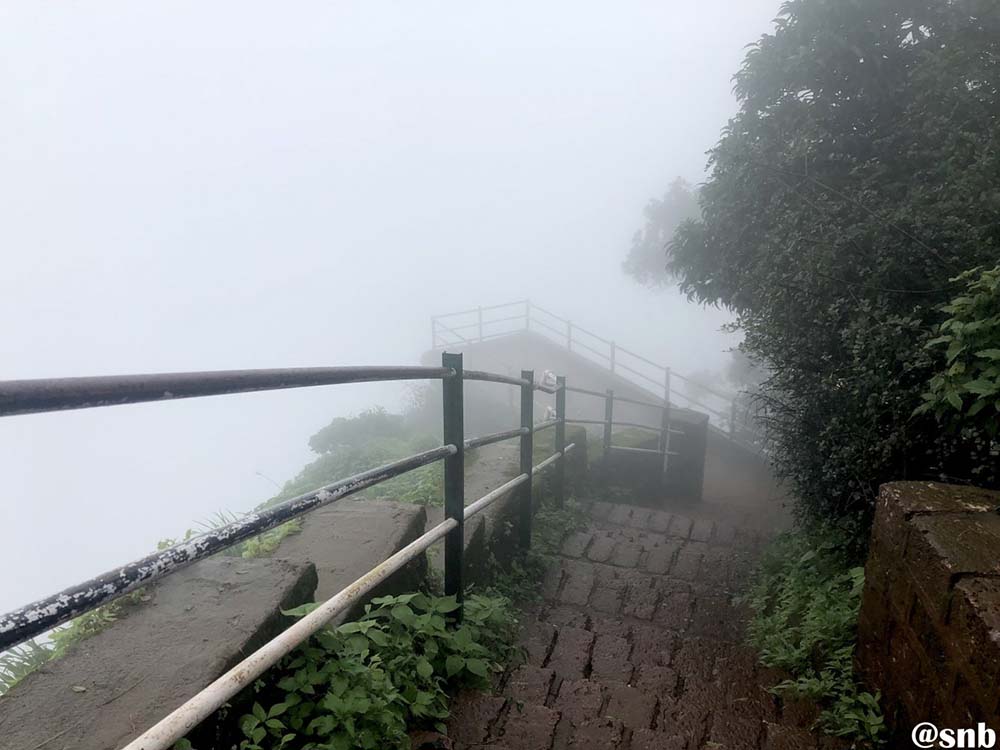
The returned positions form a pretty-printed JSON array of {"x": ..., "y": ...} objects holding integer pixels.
[
  {"x": 964, "y": 391},
  {"x": 364, "y": 683},
  {"x": 856, "y": 180}
]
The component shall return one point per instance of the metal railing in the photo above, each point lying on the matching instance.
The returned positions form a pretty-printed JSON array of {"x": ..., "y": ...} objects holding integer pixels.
[
  {"x": 485, "y": 323},
  {"x": 20, "y": 397}
]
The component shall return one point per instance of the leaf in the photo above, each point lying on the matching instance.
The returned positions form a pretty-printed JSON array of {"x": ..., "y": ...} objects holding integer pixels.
[
  {"x": 403, "y": 613},
  {"x": 982, "y": 387},
  {"x": 977, "y": 406},
  {"x": 454, "y": 664},
  {"x": 301, "y": 610},
  {"x": 424, "y": 668},
  {"x": 954, "y": 399},
  {"x": 989, "y": 354},
  {"x": 258, "y": 711},
  {"x": 446, "y": 604},
  {"x": 477, "y": 667}
]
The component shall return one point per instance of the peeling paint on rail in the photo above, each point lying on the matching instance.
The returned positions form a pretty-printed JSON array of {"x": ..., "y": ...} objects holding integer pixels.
[{"x": 45, "y": 614}]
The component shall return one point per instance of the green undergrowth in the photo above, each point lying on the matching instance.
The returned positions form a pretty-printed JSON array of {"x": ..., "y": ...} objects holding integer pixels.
[
  {"x": 805, "y": 598},
  {"x": 365, "y": 683}
]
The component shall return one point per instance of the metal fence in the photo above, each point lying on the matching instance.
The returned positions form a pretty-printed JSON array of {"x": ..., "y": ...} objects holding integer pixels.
[
  {"x": 34, "y": 396},
  {"x": 486, "y": 323}
]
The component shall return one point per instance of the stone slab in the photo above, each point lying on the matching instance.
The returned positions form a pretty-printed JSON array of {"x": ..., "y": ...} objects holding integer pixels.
[
  {"x": 347, "y": 539},
  {"x": 111, "y": 687}
]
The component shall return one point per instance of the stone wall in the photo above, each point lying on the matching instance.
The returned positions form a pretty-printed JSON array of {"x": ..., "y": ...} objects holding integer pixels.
[{"x": 929, "y": 630}]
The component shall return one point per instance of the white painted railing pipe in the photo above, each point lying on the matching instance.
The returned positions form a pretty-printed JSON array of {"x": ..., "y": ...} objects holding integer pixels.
[
  {"x": 180, "y": 722},
  {"x": 482, "y": 503},
  {"x": 184, "y": 719}
]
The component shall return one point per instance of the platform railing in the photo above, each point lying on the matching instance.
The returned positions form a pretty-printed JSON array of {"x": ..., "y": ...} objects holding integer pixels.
[
  {"x": 480, "y": 324},
  {"x": 19, "y": 397}
]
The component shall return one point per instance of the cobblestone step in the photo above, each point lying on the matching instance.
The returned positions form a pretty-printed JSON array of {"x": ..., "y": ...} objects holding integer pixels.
[{"x": 638, "y": 645}]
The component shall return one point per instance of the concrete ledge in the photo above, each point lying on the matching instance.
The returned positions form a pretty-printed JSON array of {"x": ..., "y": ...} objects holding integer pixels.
[
  {"x": 113, "y": 686},
  {"x": 347, "y": 539}
]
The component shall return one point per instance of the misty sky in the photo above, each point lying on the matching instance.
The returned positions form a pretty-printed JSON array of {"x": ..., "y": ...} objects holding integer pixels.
[{"x": 192, "y": 185}]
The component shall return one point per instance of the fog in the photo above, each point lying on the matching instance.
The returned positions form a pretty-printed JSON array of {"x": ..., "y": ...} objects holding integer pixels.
[{"x": 194, "y": 186}]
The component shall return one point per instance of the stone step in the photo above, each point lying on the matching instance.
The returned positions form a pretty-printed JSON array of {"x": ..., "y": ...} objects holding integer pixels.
[{"x": 581, "y": 717}]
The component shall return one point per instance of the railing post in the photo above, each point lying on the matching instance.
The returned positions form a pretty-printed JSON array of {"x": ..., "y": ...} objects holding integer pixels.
[
  {"x": 609, "y": 408},
  {"x": 569, "y": 335},
  {"x": 454, "y": 478},
  {"x": 665, "y": 428},
  {"x": 527, "y": 443},
  {"x": 613, "y": 347},
  {"x": 561, "y": 440},
  {"x": 479, "y": 312}
]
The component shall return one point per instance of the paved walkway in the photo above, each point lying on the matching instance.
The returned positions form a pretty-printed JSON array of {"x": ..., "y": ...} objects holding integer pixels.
[{"x": 638, "y": 646}]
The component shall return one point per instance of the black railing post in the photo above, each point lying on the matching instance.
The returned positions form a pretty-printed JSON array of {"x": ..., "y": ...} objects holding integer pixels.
[
  {"x": 454, "y": 478},
  {"x": 609, "y": 408},
  {"x": 527, "y": 443},
  {"x": 561, "y": 440}
]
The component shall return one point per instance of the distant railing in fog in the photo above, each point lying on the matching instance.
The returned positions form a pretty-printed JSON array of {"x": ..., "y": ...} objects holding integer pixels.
[{"x": 480, "y": 324}]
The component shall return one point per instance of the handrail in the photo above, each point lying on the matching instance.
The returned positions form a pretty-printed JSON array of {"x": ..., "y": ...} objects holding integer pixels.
[
  {"x": 540, "y": 318},
  {"x": 545, "y": 425},
  {"x": 492, "y": 377},
  {"x": 43, "y": 615},
  {"x": 19, "y": 397},
  {"x": 585, "y": 391},
  {"x": 622, "y": 350},
  {"x": 495, "y": 437},
  {"x": 58, "y": 394},
  {"x": 182, "y": 720}
]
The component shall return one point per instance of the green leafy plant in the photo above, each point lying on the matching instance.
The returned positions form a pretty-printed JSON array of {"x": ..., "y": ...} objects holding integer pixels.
[
  {"x": 362, "y": 684},
  {"x": 805, "y": 598},
  {"x": 968, "y": 343}
]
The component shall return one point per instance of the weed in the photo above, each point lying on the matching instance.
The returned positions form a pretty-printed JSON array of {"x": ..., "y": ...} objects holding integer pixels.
[
  {"x": 806, "y": 599},
  {"x": 364, "y": 683}
]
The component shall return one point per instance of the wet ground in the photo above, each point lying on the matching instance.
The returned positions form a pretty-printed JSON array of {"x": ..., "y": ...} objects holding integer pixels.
[{"x": 638, "y": 645}]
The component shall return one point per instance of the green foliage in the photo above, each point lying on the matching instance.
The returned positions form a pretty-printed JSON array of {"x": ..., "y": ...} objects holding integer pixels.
[
  {"x": 857, "y": 179},
  {"x": 350, "y": 445},
  {"x": 964, "y": 392},
  {"x": 806, "y": 599},
  {"x": 369, "y": 425},
  {"x": 646, "y": 261},
  {"x": 364, "y": 683}
]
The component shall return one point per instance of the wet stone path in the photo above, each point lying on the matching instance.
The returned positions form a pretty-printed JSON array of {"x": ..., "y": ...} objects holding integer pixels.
[{"x": 638, "y": 645}]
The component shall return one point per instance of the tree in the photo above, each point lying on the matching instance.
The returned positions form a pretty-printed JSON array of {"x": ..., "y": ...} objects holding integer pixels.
[
  {"x": 857, "y": 180},
  {"x": 647, "y": 259}
]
